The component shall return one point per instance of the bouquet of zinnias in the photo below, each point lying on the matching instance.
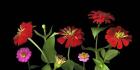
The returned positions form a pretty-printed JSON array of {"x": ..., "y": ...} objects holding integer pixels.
[{"x": 71, "y": 37}]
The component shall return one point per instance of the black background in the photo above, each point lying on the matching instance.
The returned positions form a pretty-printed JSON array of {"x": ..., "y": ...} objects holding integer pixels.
[{"x": 60, "y": 14}]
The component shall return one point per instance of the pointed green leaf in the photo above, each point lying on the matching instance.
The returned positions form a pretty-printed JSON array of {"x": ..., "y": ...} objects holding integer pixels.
[
  {"x": 50, "y": 32},
  {"x": 88, "y": 48},
  {"x": 101, "y": 67},
  {"x": 49, "y": 49},
  {"x": 46, "y": 67},
  {"x": 68, "y": 65},
  {"x": 97, "y": 68},
  {"x": 110, "y": 54},
  {"x": 96, "y": 31},
  {"x": 105, "y": 67},
  {"x": 37, "y": 33},
  {"x": 77, "y": 66},
  {"x": 97, "y": 62},
  {"x": 34, "y": 66},
  {"x": 103, "y": 52}
]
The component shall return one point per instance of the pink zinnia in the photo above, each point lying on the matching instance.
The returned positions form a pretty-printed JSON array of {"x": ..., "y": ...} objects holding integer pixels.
[
  {"x": 23, "y": 54},
  {"x": 84, "y": 57}
]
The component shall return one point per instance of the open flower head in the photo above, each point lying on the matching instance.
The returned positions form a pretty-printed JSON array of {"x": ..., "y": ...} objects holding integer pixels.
[
  {"x": 24, "y": 32},
  {"x": 84, "y": 57},
  {"x": 72, "y": 36},
  {"x": 117, "y": 37},
  {"x": 100, "y": 17},
  {"x": 23, "y": 54},
  {"x": 59, "y": 60}
]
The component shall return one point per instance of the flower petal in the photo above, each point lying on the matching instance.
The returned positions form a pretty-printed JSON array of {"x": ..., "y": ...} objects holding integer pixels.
[{"x": 119, "y": 46}]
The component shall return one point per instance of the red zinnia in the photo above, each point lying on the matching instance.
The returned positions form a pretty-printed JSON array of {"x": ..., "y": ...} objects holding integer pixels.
[
  {"x": 72, "y": 36},
  {"x": 24, "y": 32},
  {"x": 99, "y": 17},
  {"x": 117, "y": 36}
]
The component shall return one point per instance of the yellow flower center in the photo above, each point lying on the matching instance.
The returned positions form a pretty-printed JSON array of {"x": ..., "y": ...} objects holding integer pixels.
[
  {"x": 60, "y": 60},
  {"x": 20, "y": 30},
  {"x": 120, "y": 35},
  {"x": 84, "y": 55},
  {"x": 23, "y": 55}
]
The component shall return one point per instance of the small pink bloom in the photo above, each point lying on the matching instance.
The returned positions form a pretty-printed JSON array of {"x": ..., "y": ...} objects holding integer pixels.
[
  {"x": 23, "y": 54},
  {"x": 84, "y": 57}
]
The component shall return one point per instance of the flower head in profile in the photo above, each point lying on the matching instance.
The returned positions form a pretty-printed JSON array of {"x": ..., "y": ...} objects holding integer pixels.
[
  {"x": 100, "y": 17},
  {"x": 117, "y": 37},
  {"x": 23, "y": 54},
  {"x": 24, "y": 32},
  {"x": 59, "y": 60},
  {"x": 84, "y": 57},
  {"x": 72, "y": 36}
]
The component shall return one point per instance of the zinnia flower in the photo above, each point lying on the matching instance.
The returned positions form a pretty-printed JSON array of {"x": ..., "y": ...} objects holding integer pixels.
[
  {"x": 117, "y": 36},
  {"x": 99, "y": 17},
  {"x": 84, "y": 57},
  {"x": 72, "y": 36},
  {"x": 23, "y": 54},
  {"x": 59, "y": 60},
  {"x": 24, "y": 32}
]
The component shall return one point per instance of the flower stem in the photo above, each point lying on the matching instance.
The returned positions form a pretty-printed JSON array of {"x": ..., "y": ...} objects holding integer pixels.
[
  {"x": 83, "y": 66},
  {"x": 38, "y": 48},
  {"x": 68, "y": 55},
  {"x": 96, "y": 44},
  {"x": 28, "y": 65}
]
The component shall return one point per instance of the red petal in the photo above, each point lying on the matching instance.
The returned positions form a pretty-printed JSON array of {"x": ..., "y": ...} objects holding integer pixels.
[
  {"x": 119, "y": 46},
  {"x": 125, "y": 42},
  {"x": 61, "y": 40},
  {"x": 68, "y": 43}
]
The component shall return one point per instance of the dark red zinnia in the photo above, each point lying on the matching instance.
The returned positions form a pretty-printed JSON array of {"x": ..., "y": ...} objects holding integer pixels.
[
  {"x": 72, "y": 36},
  {"x": 24, "y": 32},
  {"x": 117, "y": 36},
  {"x": 100, "y": 17}
]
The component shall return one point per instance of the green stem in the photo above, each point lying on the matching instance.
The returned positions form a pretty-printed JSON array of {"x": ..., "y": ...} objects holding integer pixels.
[
  {"x": 38, "y": 48},
  {"x": 68, "y": 55},
  {"x": 96, "y": 46},
  {"x": 28, "y": 65},
  {"x": 83, "y": 66}
]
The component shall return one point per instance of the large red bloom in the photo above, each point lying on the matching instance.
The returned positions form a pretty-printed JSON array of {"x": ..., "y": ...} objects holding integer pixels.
[
  {"x": 117, "y": 36},
  {"x": 99, "y": 17},
  {"x": 24, "y": 32},
  {"x": 72, "y": 36}
]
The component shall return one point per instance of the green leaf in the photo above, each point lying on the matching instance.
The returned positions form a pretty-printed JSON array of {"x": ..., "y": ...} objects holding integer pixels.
[
  {"x": 88, "y": 48},
  {"x": 110, "y": 54},
  {"x": 49, "y": 49},
  {"x": 77, "y": 66},
  {"x": 46, "y": 67},
  {"x": 50, "y": 32},
  {"x": 37, "y": 33},
  {"x": 68, "y": 65},
  {"x": 97, "y": 68},
  {"x": 103, "y": 52},
  {"x": 34, "y": 66},
  {"x": 97, "y": 61},
  {"x": 101, "y": 67},
  {"x": 96, "y": 31}
]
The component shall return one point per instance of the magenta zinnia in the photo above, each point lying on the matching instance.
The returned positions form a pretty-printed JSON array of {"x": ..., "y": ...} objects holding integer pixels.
[
  {"x": 23, "y": 54},
  {"x": 117, "y": 37},
  {"x": 84, "y": 57},
  {"x": 24, "y": 32},
  {"x": 72, "y": 36},
  {"x": 100, "y": 17}
]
